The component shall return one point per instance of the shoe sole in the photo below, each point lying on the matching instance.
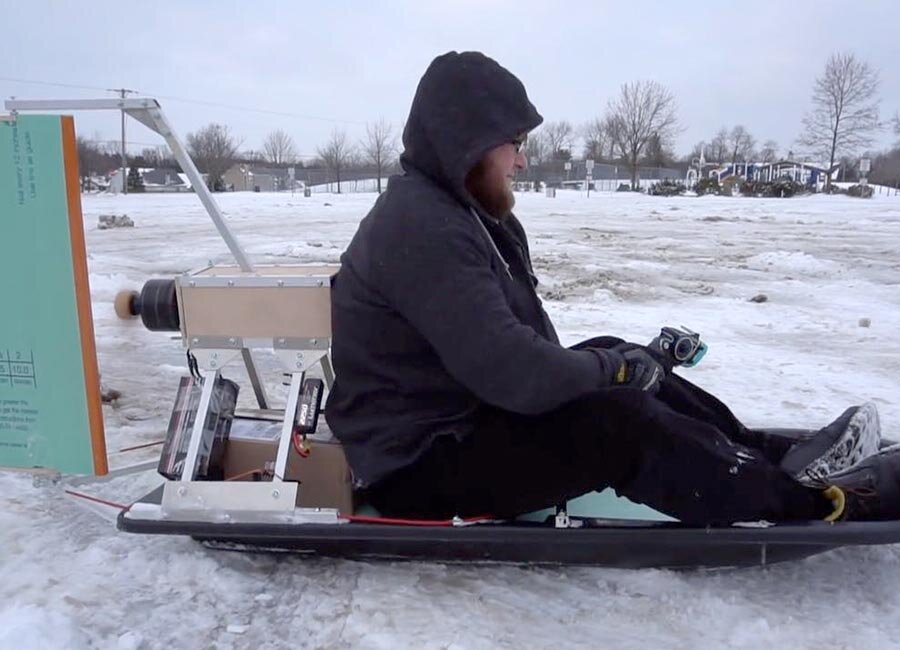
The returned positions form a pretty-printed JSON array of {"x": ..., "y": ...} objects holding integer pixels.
[{"x": 859, "y": 440}]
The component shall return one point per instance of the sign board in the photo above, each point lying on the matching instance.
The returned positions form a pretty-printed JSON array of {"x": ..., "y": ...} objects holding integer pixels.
[
  {"x": 568, "y": 166},
  {"x": 589, "y": 164},
  {"x": 50, "y": 412},
  {"x": 865, "y": 164}
]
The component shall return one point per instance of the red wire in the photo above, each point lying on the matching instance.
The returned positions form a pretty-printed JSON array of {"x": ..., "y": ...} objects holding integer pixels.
[
  {"x": 296, "y": 441},
  {"x": 97, "y": 500}
]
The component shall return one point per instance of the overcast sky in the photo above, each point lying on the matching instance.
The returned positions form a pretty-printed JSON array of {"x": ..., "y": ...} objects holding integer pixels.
[{"x": 338, "y": 65}]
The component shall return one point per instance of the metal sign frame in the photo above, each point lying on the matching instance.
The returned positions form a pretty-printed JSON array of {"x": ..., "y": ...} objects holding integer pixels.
[{"x": 147, "y": 111}]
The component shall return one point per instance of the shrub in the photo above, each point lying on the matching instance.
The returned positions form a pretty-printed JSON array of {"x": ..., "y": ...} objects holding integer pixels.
[
  {"x": 861, "y": 191},
  {"x": 730, "y": 186},
  {"x": 667, "y": 188},
  {"x": 707, "y": 186}
]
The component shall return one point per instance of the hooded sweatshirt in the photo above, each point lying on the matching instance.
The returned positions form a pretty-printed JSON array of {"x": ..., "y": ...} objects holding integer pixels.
[{"x": 434, "y": 310}]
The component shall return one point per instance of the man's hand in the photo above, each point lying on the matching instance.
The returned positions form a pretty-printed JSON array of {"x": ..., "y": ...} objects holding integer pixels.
[{"x": 634, "y": 366}]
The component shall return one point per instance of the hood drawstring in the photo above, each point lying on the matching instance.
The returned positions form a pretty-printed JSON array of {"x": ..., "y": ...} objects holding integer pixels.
[{"x": 492, "y": 242}]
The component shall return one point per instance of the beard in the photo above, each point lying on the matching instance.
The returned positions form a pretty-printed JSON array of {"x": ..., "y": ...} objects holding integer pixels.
[{"x": 492, "y": 190}]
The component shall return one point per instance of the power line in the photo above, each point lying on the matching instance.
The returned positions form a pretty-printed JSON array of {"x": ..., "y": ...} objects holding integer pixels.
[
  {"x": 199, "y": 102},
  {"x": 257, "y": 110},
  {"x": 51, "y": 83}
]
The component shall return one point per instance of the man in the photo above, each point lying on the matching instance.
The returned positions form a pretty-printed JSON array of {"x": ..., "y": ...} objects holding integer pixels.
[{"x": 454, "y": 397}]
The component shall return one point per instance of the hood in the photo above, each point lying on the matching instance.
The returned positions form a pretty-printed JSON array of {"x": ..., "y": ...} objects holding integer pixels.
[{"x": 466, "y": 104}]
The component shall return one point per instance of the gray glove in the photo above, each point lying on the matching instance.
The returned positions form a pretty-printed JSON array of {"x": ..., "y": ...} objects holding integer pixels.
[{"x": 633, "y": 366}]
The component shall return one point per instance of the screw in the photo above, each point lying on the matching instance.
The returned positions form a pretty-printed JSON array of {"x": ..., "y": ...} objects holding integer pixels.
[
  {"x": 275, "y": 494},
  {"x": 281, "y": 283},
  {"x": 231, "y": 283},
  {"x": 182, "y": 491}
]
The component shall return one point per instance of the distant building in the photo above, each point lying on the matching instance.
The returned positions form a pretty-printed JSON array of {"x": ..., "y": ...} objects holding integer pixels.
[
  {"x": 811, "y": 174},
  {"x": 245, "y": 177},
  {"x": 164, "y": 180}
]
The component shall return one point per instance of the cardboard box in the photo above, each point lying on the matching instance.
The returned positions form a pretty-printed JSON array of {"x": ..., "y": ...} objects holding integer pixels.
[{"x": 324, "y": 476}]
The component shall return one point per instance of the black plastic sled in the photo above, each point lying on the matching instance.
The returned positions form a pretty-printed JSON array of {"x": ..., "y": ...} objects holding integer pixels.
[{"x": 622, "y": 543}]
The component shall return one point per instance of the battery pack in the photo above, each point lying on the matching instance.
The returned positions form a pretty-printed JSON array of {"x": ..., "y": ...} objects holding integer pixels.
[
  {"x": 309, "y": 407},
  {"x": 215, "y": 429}
]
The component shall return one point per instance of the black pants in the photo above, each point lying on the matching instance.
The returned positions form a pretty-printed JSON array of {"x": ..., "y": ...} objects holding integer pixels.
[{"x": 681, "y": 452}]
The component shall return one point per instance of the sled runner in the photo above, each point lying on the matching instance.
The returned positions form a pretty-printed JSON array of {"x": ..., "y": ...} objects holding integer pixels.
[{"x": 599, "y": 540}]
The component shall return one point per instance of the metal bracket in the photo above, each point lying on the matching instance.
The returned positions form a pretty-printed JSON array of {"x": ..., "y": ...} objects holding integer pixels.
[
  {"x": 213, "y": 359},
  {"x": 299, "y": 360},
  {"x": 259, "y": 505},
  {"x": 180, "y": 497}
]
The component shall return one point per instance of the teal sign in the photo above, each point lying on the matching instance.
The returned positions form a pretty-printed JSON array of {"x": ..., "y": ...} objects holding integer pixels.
[{"x": 50, "y": 414}]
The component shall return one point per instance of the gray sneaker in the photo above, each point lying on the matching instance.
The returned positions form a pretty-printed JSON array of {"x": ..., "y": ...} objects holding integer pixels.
[
  {"x": 868, "y": 491},
  {"x": 855, "y": 435}
]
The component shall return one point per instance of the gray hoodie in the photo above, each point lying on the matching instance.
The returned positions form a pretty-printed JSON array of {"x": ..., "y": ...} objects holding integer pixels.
[{"x": 435, "y": 313}]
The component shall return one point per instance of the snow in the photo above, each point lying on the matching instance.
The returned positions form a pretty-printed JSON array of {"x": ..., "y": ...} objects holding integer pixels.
[{"x": 620, "y": 264}]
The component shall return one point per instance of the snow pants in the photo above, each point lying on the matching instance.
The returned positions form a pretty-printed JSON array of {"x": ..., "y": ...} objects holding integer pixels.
[{"x": 681, "y": 452}]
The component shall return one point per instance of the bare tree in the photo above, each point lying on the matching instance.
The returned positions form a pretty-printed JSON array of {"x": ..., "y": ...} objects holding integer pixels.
[
  {"x": 279, "y": 149},
  {"x": 595, "y": 139},
  {"x": 536, "y": 148},
  {"x": 336, "y": 154},
  {"x": 643, "y": 110},
  {"x": 656, "y": 153},
  {"x": 718, "y": 147},
  {"x": 740, "y": 144},
  {"x": 559, "y": 136},
  {"x": 844, "y": 116},
  {"x": 379, "y": 147},
  {"x": 213, "y": 149},
  {"x": 769, "y": 151}
]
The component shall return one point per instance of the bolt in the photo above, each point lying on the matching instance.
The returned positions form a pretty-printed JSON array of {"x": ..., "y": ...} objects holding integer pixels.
[
  {"x": 231, "y": 340},
  {"x": 281, "y": 283},
  {"x": 314, "y": 341},
  {"x": 231, "y": 283},
  {"x": 192, "y": 283},
  {"x": 275, "y": 494},
  {"x": 182, "y": 491}
]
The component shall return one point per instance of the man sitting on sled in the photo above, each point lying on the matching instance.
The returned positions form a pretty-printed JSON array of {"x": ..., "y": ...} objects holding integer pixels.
[{"x": 454, "y": 396}]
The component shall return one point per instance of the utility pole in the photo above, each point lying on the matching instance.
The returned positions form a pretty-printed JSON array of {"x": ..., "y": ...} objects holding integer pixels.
[{"x": 122, "y": 92}]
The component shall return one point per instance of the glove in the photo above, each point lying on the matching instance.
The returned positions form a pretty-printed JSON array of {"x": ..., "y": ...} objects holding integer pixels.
[{"x": 633, "y": 366}]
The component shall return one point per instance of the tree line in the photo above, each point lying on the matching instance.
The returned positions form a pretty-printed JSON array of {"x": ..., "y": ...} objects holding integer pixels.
[{"x": 638, "y": 128}]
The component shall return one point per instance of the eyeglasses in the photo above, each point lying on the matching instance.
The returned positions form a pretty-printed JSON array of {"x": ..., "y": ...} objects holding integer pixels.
[{"x": 519, "y": 143}]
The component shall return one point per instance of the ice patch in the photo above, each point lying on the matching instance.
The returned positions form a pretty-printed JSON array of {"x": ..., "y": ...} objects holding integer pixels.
[
  {"x": 29, "y": 627},
  {"x": 794, "y": 262}
]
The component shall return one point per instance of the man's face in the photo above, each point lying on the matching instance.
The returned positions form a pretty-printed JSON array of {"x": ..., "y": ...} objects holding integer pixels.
[{"x": 490, "y": 181}]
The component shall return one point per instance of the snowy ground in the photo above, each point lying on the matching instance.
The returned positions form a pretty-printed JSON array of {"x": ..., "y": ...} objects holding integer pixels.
[{"x": 613, "y": 263}]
